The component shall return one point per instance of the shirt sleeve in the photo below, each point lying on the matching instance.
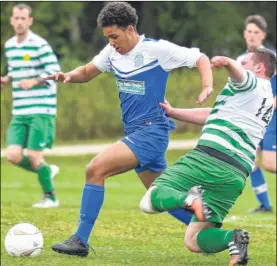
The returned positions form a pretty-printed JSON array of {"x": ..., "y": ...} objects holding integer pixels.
[
  {"x": 273, "y": 85},
  {"x": 172, "y": 56},
  {"x": 48, "y": 60},
  {"x": 9, "y": 73},
  {"x": 248, "y": 83},
  {"x": 102, "y": 61}
]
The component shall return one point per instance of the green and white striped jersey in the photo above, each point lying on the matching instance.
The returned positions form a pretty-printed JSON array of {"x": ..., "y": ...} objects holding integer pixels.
[
  {"x": 238, "y": 119},
  {"x": 29, "y": 59}
]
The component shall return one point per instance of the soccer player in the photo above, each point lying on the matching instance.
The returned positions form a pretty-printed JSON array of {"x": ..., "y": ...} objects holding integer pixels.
[
  {"x": 30, "y": 59},
  {"x": 254, "y": 35},
  {"x": 223, "y": 158},
  {"x": 141, "y": 67}
]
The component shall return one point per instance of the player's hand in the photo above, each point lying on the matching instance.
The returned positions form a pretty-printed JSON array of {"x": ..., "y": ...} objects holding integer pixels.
[
  {"x": 59, "y": 77},
  {"x": 27, "y": 84},
  {"x": 167, "y": 107},
  {"x": 204, "y": 95},
  {"x": 218, "y": 61},
  {"x": 4, "y": 81}
]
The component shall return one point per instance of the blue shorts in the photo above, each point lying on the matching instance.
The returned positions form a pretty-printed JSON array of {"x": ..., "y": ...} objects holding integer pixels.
[
  {"x": 268, "y": 143},
  {"x": 149, "y": 144}
]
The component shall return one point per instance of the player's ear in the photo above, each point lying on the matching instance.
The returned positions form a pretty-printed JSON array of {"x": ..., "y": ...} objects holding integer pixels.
[
  {"x": 31, "y": 20},
  {"x": 260, "y": 67},
  {"x": 263, "y": 36},
  {"x": 244, "y": 34},
  {"x": 130, "y": 28}
]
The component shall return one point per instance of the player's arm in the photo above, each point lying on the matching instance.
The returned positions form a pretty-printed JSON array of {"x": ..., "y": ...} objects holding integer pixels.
[
  {"x": 99, "y": 64},
  {"x": 274, "y": 102},
  {"x": 80, "y": 74},
  {"x": 172, "y": 56},
  {"x": 204, "y": 68},
  {"x": 5, "y": 80},
  {"x": 235, "y": 69},
  {"x": 197, "y": 116}
]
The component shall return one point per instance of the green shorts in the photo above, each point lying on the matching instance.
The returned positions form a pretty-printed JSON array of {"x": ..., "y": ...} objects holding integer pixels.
[
  {"x": 34, "y": 132},
  {"x": 222, "y": 183}
]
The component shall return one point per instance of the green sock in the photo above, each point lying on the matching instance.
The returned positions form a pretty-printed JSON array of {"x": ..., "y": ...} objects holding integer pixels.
[
  {"x": 25, "y": 164},
  {"x": 44, "y": 176},
  {"x": 214, "y": 240},
  {"x": 167, "y": 198}
]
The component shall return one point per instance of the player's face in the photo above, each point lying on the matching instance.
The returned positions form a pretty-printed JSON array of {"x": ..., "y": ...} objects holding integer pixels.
[
  {"x": 249, "y": 64},
  {"x": 253, "y": 35},
  {"x": 21, "y": 21},
  {"x": 119, "y": 38}
]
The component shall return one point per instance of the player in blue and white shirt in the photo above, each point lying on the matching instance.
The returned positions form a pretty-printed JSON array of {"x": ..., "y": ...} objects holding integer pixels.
[
  {"x": 141, "y": 67},
  {"x": 254, "y": 35}
]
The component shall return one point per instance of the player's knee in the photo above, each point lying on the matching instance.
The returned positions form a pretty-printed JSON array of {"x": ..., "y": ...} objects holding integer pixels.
[
  {"x": 13, "y": 157},
  {"x": 190, "y": 245},
  {"x": 35, "y": 159},
  {"x": 145, "y": 203},
  {"x": 269, "y": 166},
  {"x": 94, "y": 170}
]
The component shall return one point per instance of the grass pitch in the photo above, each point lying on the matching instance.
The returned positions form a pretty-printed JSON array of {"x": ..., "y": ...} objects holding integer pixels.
[{"x": 123, "y": 235}]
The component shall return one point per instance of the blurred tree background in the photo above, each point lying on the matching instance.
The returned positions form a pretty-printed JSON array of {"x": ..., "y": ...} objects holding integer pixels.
[{"x": 71, "y": 29}]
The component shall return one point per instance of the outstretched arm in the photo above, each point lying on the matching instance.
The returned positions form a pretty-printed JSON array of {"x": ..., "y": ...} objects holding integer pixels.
[
  {"x": 234, "y": 68},
  {"x": 78, "y": 75},
  {"x": 197, "y": 116},
  {"x": 204, "y": 68}
]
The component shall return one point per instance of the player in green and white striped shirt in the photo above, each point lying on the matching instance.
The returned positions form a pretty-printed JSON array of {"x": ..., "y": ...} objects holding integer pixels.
[
  {"x": 30, "y": 59},
  {"x": 223, "y": 158}
]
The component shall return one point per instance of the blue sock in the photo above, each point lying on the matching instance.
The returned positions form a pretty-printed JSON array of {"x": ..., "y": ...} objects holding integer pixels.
[
  {"x": 182, "y": 215},
  {"x": 92, "y": 200},
  {"x": 260, "y": 188}
]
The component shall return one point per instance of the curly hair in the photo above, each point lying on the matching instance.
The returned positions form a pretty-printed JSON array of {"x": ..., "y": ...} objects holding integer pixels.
[{"x": 120, "y": 14}]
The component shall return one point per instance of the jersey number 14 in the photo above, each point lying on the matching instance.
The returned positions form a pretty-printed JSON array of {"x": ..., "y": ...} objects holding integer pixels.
[{"x": 265, "y": 114}]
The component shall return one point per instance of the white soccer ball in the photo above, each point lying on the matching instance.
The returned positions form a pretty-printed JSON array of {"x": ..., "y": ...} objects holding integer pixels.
[{"x": 24, "y": 240}]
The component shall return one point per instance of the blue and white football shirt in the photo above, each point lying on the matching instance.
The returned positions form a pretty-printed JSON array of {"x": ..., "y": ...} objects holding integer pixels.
[{"x": 141, "y": 75}]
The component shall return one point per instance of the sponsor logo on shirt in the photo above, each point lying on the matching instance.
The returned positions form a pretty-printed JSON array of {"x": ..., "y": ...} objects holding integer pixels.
[
  {"x": 26, "y": 57},
  {"x": 131, "y": 86}
]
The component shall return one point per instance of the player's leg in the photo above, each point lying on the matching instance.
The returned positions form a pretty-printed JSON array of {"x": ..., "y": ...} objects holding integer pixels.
[
  {"x": 176, "y": 188},
  {"x": 147, "y": 178},
  {"x": 258, "y": 181},
  {"x": 38, "y": 140},
  {"x": 16, "y": 141},
  {"x": 207, "y": 237},
  {"x": 220, "y": 181},
  {"x": 117, "y": 159},
  {"x": 269, "y": 161},
  {"x": 149, "y": 146},
  {"x": 223, "y": 184},
  {"x": 45, "y": 174}
]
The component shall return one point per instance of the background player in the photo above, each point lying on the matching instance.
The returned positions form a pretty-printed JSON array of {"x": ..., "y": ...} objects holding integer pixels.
[{"x": 30, "y": 59}]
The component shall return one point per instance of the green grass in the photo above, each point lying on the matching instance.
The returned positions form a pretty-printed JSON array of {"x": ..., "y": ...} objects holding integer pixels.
[{"x": 123, "y": 235}]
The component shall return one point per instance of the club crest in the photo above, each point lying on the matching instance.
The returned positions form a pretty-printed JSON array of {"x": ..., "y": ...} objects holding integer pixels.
[{"x": 139, "y": 60}]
